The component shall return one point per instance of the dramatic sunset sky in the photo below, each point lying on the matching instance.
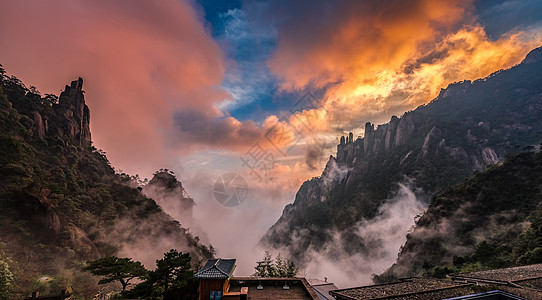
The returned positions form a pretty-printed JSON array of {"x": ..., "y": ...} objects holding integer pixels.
[{"x": 197, "y": 86}]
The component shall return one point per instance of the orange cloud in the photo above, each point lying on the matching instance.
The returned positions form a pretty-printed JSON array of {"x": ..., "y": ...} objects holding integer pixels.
[
  {"x": 359, "y": 37},
  {"x": 465, "y": 54},
  {"x": 383, "y": 58}
]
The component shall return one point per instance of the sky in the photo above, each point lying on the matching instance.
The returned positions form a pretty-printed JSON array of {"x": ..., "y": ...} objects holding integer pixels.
[{"x": 263, "y": 89}]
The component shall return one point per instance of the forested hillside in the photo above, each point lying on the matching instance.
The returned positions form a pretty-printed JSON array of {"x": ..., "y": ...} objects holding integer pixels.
[
  {"x": 491, "y": 220},
  {"x": 61, "y": 201}
]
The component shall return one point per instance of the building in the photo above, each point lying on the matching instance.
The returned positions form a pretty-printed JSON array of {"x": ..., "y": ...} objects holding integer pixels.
[
  {"x": 257, "y": 288},
  {"x": 216, "y": 282},
  {"x": 214, "y": 278},
  {"x": 519, "y": 283},
  {"x": 492, "y": 295},
  {"x": 408, "y": 288}
]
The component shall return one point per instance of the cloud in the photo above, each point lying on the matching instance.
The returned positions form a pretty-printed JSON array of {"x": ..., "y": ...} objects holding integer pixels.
[
  {"x": 499, "y": 17},
  {"x": 140, "y": 60},
  {"x": 378, "y": 58},
  {"x": 315, "y": 154},
  {"x": 322, "y": 43},
  {"x": 155, "y": 78},
  {"x": 235, "y": 231},
  {"x": 247, "y": 77},
  {"x": 195, "y": 128}
]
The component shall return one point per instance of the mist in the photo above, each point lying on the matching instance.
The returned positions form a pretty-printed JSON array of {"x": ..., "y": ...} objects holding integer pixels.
[
  {"x": 176, "y": 202},
  {"x": 145, "y": 234},
  {"x": 383, "y": 236},
  {"x": 234, "y": 232}
]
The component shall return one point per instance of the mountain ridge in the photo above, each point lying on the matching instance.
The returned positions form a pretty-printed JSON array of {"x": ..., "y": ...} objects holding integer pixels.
[
  {"x": 62, "y": 203},
  {"x": 470, "y": 125}
]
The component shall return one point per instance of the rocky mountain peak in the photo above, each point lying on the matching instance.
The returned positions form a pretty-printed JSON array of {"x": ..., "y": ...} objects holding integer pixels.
[
  {"x": 74, "y": 114},
  {"x": 375, "y": 141},
  {"x": 170, "y": 194},
  {"x": 166, "y": 180}
]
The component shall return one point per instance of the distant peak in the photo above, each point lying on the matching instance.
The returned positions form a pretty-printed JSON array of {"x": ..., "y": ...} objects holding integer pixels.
[
  {"x": 534, "y": 56},
  {"x": 165, "y": 178}
]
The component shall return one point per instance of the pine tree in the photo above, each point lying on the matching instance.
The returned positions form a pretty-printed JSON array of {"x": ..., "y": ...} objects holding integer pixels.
[
  {"x": 173, "y": 272},
  {"x": 278, "y": 268},
  {"x": 281, "y": 266},
  {"x": 291, "y": 270},
  {"x": 116, "y": 269}
]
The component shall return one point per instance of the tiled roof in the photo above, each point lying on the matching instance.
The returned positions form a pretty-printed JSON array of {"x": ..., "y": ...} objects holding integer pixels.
[
  {"x": 217, "y": 269},
  {"x": 403, "y": 287},
  {"x": 523, "y": 282},
  {"x": 507, "y": 274}
]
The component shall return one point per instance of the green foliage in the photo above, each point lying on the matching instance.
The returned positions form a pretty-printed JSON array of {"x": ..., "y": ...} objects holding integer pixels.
[
  {"x": 471, "y": 267},
  {"x": 6, "y": 281},
  {"x": 265, "y": 267},
  {"x": 61, "y": 201},
  {"x": 173, "y": 273},
  {"x": 6, "y": 276},
  {"x": 492, "y": 220},
  {"x": 291, "y": 269},
  {"x": 278, "y": 268},
  {"x": 116, "y": 269},
  {"x": 173, "y": 278}
]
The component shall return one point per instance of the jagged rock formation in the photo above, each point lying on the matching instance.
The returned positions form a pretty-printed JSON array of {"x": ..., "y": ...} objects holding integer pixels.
[
  {"x": 71, "y": 117},
  {"x": 74, "y": 113},
  {"x": 469, "y": 126},
  {"x": 347, "y": 148}
]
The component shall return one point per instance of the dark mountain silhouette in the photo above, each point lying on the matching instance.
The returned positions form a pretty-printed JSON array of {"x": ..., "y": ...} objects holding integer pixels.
[{"x": 61, "y": 202}]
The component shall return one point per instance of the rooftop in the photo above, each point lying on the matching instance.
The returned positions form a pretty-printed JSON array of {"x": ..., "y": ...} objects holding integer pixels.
[
  {"x": 274, "y": 288},
  {"x": 217, "y": 269},
  {"x": 492, "y": 295},
  {"x": 322, "y": 288},
  {"x": 507, "y": 274},
  {"x": 400, "y": 288},
  {"x": 525, "y": 282}
]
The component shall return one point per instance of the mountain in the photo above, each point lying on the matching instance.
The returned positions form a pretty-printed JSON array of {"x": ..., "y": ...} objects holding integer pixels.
[
  {"x": 61, "y": 202},
  {"x": 469, "y": 126},
  {"x": 492, "y": 220},
  {"x": 169, "y": 193}
]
